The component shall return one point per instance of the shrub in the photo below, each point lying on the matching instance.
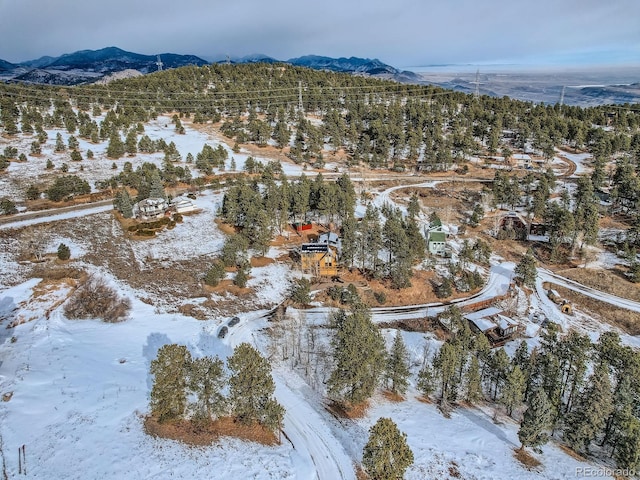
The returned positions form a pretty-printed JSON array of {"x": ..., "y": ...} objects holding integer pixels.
[
  {"x": 300, "y": 291},
  {"x": 214, "y": 274},
  {"x": 7, "y": 207},
  {"x": 380, "y": 297},
  {"x": 64, "y": 253},
  {"x": 334, "y": 292},
  {"x": 95, "y": 299}
]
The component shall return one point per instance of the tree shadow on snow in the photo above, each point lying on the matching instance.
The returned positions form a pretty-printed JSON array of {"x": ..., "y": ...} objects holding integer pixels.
[
  {"x": 155, "y": 341},
  {"x": 479, "y": 418}
]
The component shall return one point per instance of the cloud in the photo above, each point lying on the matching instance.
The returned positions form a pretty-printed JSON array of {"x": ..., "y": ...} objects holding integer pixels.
[{"x": 400, "y": 33}]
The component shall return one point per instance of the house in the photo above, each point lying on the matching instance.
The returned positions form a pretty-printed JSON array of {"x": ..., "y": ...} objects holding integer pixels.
[
  {"x": 183, "y": 205},
  {"x": 333, "y": 240},
  {"x": 150, "y": 208},
  {"x": 513, "y": 222},
  {"x": 319, "y": 259},
  {"x": 522, "y": 160},
  {"x": 490, "y": 321},
  {"x": 437, "y": 243}
]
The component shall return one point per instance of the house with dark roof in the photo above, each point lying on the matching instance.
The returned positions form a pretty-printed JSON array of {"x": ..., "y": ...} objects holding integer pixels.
[{"x": 490, "y": 321}]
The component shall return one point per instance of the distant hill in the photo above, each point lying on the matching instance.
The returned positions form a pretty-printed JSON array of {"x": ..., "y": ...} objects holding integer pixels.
[
  {"x": 7, "y": 66},
  {"x": 87, "y": 66},
  {"x": 350, "y": 65},
  {"x": 354, "y": 65},
  {"x": 113, "y": 59}
]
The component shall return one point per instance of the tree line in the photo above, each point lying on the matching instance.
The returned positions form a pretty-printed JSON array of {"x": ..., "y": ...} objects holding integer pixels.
[{"x": 382, "y": 123}]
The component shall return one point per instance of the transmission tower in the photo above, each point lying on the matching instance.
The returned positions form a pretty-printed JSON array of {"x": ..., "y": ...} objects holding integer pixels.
[
  {"x": 476, "y": 93},
  {"x": 159, "y": 63},
  {"x": 562, "y": 95},
  {"x": 300, "y": 107}
]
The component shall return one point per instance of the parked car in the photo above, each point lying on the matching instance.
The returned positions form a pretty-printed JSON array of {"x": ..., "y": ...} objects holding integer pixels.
[
  {"x": 223, "y": 331},
  {"x": 234, "y": 321}
]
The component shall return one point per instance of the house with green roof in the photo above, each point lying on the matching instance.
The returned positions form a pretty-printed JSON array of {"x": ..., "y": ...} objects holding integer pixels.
[{"x": 437, "y": 243}]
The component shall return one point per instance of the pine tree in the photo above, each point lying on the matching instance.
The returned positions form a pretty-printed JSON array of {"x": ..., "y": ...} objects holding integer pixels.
[
  {"x": 386, "y": 456},
  {"x": 498, "y": 365},
  {"x": 413, "y": 208},
  {"x": 126, "y": 207},
  {"x": 595, "y": 405},
  {"x": 446, "y": 366},
  {"x": 131, "y": 143},
  {"x": 397, "y": 371},
  {"x": 627, "y": 453},
  {"x": 115, "y": 149},
  {"x": 169, "y": 391},
  {"x": 521, "y": 357},
  {"x": 215, "y": 273},
  {"x": 526, "y": 270},
  {"x": 60, "y": 146},
  {"x": 513, "y": 391},
  {"x": 242, "y": 275},
  {"x": 156, "y": 186},
  {"x": 537, "y": 420},
  {"x": 473, "y": 381},
  {"x": 426, "y": 380},
  {"x": 206, "y": 381},
  {"x": 359, "y": 356},
  {"x": 251, "y": 387}
]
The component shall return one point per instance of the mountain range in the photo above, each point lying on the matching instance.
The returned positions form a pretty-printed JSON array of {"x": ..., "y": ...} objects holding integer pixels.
[{"x": 89, "y": 66}]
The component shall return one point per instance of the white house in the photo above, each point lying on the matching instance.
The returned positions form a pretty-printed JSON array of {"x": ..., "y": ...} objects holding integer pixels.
[
  {"x": 183, "y": 205},
  {"x": 437, "y": 243},
  {"x": 150, "y": 208}
]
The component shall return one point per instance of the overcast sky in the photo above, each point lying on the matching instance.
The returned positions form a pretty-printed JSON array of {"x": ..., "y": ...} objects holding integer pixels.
[{"x": 401, "y": 33}]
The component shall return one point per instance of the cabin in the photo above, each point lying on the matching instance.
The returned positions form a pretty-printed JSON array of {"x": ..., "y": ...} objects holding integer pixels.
[
  {"x": 150, "y": 208},
  {"x": 183, "y": 205},
  {"x": 437, "y": 243},
  {"x": 513, "y": 222},
  {"x": 523, "y": 160},
  {"x": 490, "y": 321},
  {"x": 319, "y": 259}
]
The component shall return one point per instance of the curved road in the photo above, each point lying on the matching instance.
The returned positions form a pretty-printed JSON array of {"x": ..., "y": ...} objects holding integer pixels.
[{"x": 548, "y": 276}]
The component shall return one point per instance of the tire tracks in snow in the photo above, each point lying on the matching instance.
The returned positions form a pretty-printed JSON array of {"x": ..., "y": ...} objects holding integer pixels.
[{"x": 320, "y": 454}]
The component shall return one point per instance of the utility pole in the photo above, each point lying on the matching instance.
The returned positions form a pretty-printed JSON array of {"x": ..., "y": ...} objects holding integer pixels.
[{"x": 159, "y": 63}]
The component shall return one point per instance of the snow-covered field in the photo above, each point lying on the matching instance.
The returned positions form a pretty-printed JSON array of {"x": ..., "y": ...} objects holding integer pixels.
[
  {"x": 76, "y": 391},
  {"x": 80, "y": 389}
]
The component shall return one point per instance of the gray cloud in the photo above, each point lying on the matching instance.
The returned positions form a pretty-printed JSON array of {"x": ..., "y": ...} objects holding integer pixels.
[{"x": 401, "y": 33}]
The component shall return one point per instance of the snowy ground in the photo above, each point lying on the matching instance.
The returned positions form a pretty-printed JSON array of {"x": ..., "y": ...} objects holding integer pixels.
[
  {"x": 82, "y": 388},
  {"x": 77, "y": 391}
]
